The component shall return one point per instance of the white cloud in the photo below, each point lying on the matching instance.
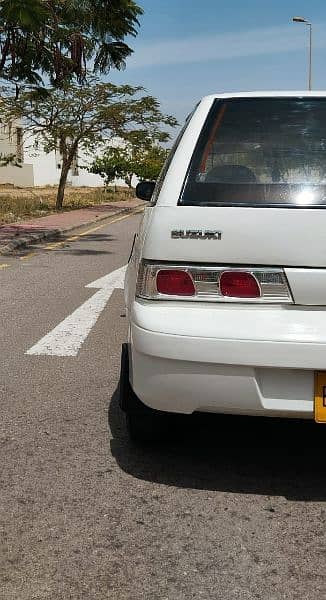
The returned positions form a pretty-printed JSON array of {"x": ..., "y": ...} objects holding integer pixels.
[{"x": 226, "y": 46}]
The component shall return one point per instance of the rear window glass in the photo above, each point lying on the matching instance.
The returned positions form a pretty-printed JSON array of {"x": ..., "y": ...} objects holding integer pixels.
[{"x": 260, "y": 152}]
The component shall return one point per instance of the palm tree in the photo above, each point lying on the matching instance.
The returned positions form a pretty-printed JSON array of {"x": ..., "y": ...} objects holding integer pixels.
[{"x": 59, "y": 40}]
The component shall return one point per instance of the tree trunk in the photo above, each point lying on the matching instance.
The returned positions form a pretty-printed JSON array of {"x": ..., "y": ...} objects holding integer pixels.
[
  {"x": 128, "y": 180},
  {"x": 66, "y": 165},
  {"x": 62, "y": 184}
]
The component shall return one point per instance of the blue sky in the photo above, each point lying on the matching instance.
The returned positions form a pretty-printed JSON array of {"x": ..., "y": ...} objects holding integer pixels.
[{"x": 186, "y": 49}]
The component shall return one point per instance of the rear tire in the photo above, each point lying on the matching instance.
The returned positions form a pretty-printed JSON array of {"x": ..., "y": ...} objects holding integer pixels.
[{"x": 144, "y": 424}]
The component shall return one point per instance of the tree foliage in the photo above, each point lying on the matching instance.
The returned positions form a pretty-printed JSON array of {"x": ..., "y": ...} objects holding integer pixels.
[
  {"x": 114, "y": 164},
  {"x": 123, "y": 162},
  {"x": 61, "y": 39},
  {"x": 75, "y": 118},
  {"x": 148, "y": 164},
  {"x": 9, "y": 159}
]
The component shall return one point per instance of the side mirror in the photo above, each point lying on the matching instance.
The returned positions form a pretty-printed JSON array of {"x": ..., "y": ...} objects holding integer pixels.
[{"x": 145, "y": 189}]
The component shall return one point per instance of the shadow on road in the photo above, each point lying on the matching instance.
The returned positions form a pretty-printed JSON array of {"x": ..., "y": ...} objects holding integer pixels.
[
  {"x": 274, "y": 457},
  {"x": 75, "y": 248},
  {"x": 78, "y": 247}
]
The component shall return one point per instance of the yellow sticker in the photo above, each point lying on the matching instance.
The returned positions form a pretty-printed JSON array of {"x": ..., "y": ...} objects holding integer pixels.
[{"x": 320, "y": 397}]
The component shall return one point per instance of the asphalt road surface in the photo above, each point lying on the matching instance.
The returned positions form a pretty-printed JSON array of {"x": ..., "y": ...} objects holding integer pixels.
[{"x": 226, "y": 509}]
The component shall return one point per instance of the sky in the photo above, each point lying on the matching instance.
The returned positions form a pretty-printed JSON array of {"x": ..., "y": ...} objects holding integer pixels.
[{"x": 186, "y": 49}]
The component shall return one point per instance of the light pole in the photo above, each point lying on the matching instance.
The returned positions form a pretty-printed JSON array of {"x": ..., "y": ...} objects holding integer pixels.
[{"x": 306, "y": 22}]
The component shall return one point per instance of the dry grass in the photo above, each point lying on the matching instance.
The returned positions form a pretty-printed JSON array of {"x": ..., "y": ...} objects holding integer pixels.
[{"x": 17, "y": 204}]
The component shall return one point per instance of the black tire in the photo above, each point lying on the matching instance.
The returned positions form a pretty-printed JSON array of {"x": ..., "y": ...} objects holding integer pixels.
[{"x": 143, "y": 423}]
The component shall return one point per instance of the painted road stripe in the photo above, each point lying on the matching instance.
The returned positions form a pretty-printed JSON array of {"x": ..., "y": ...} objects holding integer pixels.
[
  {"x": 132, "y": 214},
  {"x": 72, "y": 239},
  {"x": 27, "y": 256},
  {"x": 67, "y": 338}
]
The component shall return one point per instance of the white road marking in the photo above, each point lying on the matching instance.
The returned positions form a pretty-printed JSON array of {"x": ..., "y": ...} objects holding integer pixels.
[{"x": 67, "y": 338}]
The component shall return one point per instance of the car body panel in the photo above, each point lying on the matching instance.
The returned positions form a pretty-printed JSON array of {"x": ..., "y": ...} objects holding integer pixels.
[
  {"x": 178, "y": 385},
  {"x": 252, "y": 236}
]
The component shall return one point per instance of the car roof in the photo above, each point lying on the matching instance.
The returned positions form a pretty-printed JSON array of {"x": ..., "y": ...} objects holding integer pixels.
[{"x": 270, "y": 94}]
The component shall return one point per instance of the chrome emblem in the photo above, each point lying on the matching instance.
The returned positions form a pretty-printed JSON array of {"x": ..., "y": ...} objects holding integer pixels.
[{"x": 196, "y": 234}]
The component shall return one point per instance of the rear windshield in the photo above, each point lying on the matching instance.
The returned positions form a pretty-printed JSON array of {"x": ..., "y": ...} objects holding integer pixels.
[{"x": 260, "y": 152}]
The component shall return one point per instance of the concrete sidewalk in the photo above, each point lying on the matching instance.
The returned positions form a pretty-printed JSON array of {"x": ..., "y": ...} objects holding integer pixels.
[{"x": 25, "y": 233}]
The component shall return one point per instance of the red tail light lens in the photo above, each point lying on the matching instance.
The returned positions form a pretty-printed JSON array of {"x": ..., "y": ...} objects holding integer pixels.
[
  {"x": 239, "y": 284},
  {"x": 212, "y": 283},
  {"x": 175, "y": 283}
]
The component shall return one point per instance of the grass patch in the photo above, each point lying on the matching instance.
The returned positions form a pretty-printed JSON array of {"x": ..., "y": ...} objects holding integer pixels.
[{"x": 20, "y": 204}]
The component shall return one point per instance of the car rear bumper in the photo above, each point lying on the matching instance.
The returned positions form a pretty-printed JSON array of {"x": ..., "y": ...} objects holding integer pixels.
[{"x": 249, "y": 374}]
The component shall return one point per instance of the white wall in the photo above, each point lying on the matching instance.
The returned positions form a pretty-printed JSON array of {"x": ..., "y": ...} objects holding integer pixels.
[
  {"x": 88, "y": 179},
  {"x": 19, "y": 176},
  {"x": 46, "y": 171},
  {"x": 8, "y": 138},
  {"x": 44, "y": 168},
  {"x": 23, "y": 175}
]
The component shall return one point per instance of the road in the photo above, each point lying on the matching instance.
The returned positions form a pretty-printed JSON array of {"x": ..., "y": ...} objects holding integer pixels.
[{"x": 234, "y": 509}]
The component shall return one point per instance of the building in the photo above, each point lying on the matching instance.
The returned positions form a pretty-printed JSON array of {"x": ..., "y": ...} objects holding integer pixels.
[
  {"x": 47, "y": 169},
  {"x": 11, "y": 143},
  {"x": 36, "y": 168}
]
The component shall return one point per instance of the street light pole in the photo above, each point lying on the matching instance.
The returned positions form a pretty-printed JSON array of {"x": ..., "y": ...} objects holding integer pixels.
[
  {"x": 306, "y": 22},
  {"x": 310, "y": 55}
]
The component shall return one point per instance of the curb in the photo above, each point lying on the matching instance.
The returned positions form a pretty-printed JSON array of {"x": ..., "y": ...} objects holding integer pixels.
[{"x": 53, "y": 234}]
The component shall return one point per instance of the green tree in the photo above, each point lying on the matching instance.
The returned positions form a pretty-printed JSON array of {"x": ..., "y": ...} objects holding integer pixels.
[
  {"x": 75, "y": 118},
  {"x": 139, "y": 152},
  {"x": 148, "y": 164},
  {"x": 61, "y": 39},
  {"x": 123, "y": 162},
  {"x": 114, "y": 164}
]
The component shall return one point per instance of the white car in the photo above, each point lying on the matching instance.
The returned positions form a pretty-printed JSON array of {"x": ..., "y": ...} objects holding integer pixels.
[{"x": 226, "y": 286}]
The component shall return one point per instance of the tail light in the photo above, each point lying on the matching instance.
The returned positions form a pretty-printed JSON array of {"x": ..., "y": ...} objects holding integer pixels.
[
  {"x": 239, "y": 284},
  {"x": 174, "y": 282},
  {"x": 212, "y": 284}
]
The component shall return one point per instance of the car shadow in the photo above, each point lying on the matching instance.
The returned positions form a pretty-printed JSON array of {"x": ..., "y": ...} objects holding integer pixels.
[{"x": 243, "y": 455}]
